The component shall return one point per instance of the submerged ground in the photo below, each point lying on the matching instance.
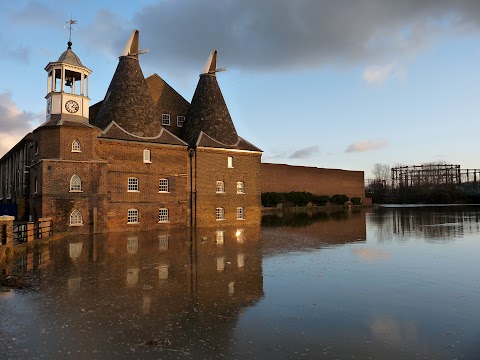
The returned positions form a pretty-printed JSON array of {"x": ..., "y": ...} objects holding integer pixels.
[{"x": 391, "y": 283}]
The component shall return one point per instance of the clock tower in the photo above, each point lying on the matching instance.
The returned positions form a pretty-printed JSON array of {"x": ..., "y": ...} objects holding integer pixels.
[{"x": 67, "y": 88}]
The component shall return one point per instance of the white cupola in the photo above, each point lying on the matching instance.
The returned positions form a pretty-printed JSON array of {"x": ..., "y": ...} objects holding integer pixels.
[{"x": 67, "y": 88}]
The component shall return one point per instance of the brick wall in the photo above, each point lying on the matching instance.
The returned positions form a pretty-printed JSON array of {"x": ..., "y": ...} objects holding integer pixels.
[
  {"x": 286, "y": 178},
  {"x": 211, "y": 165},
  {"x": 125, "y": 159}
]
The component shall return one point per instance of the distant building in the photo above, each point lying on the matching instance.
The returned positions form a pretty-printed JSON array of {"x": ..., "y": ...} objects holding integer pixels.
[{"x": 143, "y": 158}]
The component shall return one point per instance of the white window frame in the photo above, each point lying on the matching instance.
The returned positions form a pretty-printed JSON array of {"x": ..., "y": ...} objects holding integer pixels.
[
  {"x": 166, "y": 119},
  {"x": 220, "y": 187},
  {"x": 132, "y": 216},
  {"x": 163, "y": 215},
  {"x": 230, "y": 162},
  {"x": 76, "y": 218},
  {"x": 163, "y": 242},
  {"x": 75, "y": 184},
  {"x": 240, "y": 187},
  {"x": 76, "y": 146},
  {"x": 163, "y": 186},
  {"x": 219, "y": 237},
  {"x": 180, "y": 121},
  {"x": 132, "y": 185},
  {"x": 146, "y": 156},
  {"x": 240, "y": 213},
  {"x": 220, "y": 213}
]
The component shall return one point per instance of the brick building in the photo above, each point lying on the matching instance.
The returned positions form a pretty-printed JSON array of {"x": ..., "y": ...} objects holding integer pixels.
[{"x": 142, "y": 158}]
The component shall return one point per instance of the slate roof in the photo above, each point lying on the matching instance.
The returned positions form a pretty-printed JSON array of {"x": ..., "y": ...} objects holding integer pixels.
[
  {"x": 114, "y": 131},
  {"x": 208, "y": 113},
  {"x": 69, "y": 57},
  {"x": 67, "y": 120},
  {"x": 241, "y": 144},
  {"x": 128, "y": 101}
]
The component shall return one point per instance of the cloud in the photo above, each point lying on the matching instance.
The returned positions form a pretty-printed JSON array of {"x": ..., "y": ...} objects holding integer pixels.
[
  {"x": 18, "y": 53},
  {"x": 273, "y": 34},
  {"x": 14, "y": 124},
  {"x": 367, "y": 145},
  {"x": 372, "y": 254},
  {"x": 305, "y": 152},
  {"x": 36, "y": 13},
  {"x": 379, "y": 74}
]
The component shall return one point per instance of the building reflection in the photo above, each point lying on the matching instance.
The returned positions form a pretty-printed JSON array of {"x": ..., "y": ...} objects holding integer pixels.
[{"x": 432, "y": 223}]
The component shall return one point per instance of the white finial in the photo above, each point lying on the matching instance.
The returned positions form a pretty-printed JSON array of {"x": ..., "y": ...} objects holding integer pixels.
[
  {"x": 211, "y": 64},
  {"x": 131, "y": 47}
]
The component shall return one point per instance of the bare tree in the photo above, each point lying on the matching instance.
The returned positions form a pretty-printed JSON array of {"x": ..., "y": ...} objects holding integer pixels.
[{"x": 382, "y": 173}]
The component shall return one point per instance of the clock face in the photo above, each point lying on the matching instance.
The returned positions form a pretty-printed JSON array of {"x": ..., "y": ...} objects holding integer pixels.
[{"x": 71, "y": 106}]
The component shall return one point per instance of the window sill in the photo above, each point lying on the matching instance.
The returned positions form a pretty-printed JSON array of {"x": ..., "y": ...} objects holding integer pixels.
[
  {"x": 220, "y": 219},
  {"x": 164, "y": 192},
  {"x": 241, "y": 219},
  {"x": 133, "y": 191},
  {"x": 76, "y": 151},
  {"x": 218, "y": 192},
  {"x": 147, "y": 162},
  {"x": 133, "y": 223},
  {"x": 76, "y": 191},
  {"x": 163, "y": 222},
  {"x": 240, "y": 193},
  {"x": 76, "y": 224}
]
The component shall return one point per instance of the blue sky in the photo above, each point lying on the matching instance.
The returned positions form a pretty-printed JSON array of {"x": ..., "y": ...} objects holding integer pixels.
[{"x": 342, "y": 84}]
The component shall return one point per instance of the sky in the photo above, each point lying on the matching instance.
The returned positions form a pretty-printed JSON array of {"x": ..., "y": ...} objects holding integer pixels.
[{"x": 336, "y": 84}]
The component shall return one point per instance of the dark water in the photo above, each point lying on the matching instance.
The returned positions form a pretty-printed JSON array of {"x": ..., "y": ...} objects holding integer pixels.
[{"x": 394, "y": 283}]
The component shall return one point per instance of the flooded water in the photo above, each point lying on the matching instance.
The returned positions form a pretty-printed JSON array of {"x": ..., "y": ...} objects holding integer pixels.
[{"x": 390, "y": 283}]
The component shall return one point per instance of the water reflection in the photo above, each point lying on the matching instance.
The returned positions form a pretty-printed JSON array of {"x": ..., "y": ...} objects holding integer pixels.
[
  {"x": 431, "y": 223},
  {"x": 313, "y": 285}
]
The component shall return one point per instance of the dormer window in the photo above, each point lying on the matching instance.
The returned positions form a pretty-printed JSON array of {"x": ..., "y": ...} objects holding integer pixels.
[
  {"x": 146, "y": 156},
  {"x": 76, "y": 146},
  {"x": 180, "y": 121},
  {"x": 165, "y": 119}
]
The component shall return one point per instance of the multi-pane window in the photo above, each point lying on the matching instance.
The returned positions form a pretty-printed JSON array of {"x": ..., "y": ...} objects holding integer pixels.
[
  {"x": 220, "y": 187},
  {"x": 162, "y": 215},
  {"x": 230, "y": 162},
  {"x": 132, "y": 244},
  {"x": 146, "y": 156},
  {"x": 75, "y": 184},
  {"x": 165, "y": 119},
  {"x": 76, "y": 146},
  {"x": 162, "y": 242},
  {"x": 132, "y": 184},
  {"x": 240, "y": 187},
  {"x": 220, "y": 213},
  {"x": 76, "y": 218},
  {"x": 180, "y": 121},
  {"x": 240, "y": 213},
  {"x": 163, "y": 185},
  {"x": 132, "y": 216}
]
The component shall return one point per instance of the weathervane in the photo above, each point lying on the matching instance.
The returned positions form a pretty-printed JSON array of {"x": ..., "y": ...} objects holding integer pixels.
[{"x": 69, "y": 27}]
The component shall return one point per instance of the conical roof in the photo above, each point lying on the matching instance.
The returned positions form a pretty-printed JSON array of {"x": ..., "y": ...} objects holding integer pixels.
[
  {"x": 128, "y": 101},
  {"x": 208, "y": 112},
  {"x": 69, "y": 57}
]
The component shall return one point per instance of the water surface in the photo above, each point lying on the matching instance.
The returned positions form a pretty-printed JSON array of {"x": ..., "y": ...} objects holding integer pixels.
[{"x": 394, "y": 283}]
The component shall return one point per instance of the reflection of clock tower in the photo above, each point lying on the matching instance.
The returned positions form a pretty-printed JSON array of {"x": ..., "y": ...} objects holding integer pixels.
[{"x": 67, "y": 89}]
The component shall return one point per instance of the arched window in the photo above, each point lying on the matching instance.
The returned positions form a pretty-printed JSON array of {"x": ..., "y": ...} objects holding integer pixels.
[
  {"x": 75, "y": 184},
  {"x": 76, "y": 218},
  {"x": 76, "y": 146}
]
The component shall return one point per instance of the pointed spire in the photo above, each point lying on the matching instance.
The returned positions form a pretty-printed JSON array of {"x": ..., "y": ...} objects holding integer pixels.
[
  {"x": 128, "y": 101},
  {"x": 208, "y": 112}
]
